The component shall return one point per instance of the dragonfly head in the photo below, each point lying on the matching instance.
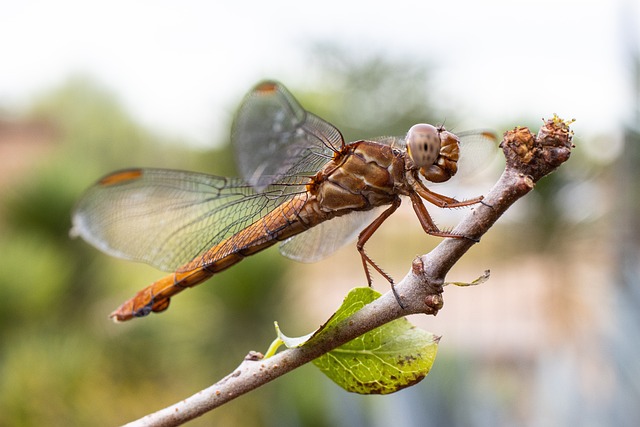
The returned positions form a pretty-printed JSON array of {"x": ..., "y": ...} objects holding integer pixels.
[{"x": 434, "y": 150}]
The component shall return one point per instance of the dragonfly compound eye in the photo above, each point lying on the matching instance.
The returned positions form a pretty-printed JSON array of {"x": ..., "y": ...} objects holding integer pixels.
[
  {"x": 446, "y": 165},
  {"x": 423, "y": 144}
]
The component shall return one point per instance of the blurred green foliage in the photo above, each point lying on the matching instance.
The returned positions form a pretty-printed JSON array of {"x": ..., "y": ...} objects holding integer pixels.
[{"x": 62, "y": 362}]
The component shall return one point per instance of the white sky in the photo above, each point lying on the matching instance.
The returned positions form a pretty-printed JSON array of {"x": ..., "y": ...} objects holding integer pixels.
[{"x": 182, "y": 66}]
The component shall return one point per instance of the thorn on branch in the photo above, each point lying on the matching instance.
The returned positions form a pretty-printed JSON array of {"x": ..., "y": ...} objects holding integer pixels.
[
  {"x": 434, "y": 303},
  {"x": 254, "y": 356},
  {"x": 417, "y": 266}
]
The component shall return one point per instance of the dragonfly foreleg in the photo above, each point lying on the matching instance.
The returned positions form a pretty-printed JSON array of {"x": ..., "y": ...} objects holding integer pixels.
[
  {"x": 427, "y": 222},
  {"x": 441, "y": 200}
]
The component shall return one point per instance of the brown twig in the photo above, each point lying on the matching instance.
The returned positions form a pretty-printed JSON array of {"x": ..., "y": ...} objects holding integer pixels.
[{"x": 528, "y": 159}]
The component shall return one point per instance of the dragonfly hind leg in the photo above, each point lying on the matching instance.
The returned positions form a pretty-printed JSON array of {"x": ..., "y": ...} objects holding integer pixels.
[{"x": 364, "y": 236}]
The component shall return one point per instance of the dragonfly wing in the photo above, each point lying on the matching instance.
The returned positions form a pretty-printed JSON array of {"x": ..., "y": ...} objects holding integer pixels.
[
  {"x": 274, "y": 137},
  {"x": 392, "y": 141},
  {"x": 477, "y": 149},
  {"x": 324, "y": 239},
  {"x": 166, "y": 218}
]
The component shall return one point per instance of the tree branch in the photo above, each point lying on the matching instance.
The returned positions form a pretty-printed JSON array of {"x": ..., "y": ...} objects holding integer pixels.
[{"x": 528, "y": 159}]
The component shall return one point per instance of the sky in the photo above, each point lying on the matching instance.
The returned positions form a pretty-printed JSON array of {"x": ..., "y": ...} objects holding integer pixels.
[{"x": 182, "y": 67}]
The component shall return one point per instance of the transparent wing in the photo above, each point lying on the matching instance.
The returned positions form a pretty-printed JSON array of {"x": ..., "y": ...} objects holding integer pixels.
[
  {"x": 478, "y": 148},
  {"x": 274, "y": 137},
  {"x": 392, "y": 141},
  {"x": 327, "y": 237},
  {"x": 166, "y": 218}
]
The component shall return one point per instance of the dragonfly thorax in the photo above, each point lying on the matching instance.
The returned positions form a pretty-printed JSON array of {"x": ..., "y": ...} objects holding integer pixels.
[{"x": 365, "y": 175}]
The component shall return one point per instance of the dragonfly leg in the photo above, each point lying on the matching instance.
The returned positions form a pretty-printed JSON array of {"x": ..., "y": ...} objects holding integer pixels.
[
  {"x": 482, "y": 202},
  {"x": 427, "y": 222},
  {"x": 365, "y": 235},
  {"x": 440, "y": 200}
]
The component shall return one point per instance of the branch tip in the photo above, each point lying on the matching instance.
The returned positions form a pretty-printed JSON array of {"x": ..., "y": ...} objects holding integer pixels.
[{"x": 538, "y": 155}]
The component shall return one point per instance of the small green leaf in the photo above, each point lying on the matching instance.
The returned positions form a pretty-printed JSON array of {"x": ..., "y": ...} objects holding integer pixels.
[
  {"x": 292, "y": 342},
  {"x": 287, "y": 341},
  {"x": 480, "y": 280},
  {"x": 385, "y": 360}
]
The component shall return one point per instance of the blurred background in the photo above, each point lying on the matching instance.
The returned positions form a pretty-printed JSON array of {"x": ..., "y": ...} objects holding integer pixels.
[{"x": 89, "y": 87}]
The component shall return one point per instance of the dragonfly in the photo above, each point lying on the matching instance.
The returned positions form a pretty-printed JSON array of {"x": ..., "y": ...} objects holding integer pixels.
[{"x": 302, "y": 186}]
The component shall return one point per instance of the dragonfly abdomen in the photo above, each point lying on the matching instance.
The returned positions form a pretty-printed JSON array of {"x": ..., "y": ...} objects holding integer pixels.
[{"x": 288, "y": 219}]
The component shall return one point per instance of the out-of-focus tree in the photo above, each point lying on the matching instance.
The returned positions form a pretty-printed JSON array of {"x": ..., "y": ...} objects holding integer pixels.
[
  {"x": 369, "y": 94},
  {"x": 624, "y": 336}
]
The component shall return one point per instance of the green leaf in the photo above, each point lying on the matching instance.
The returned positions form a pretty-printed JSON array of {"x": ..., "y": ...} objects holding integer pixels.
[
  {"x": 480, "y": 280},
  {"x": 385, "y": 360},
  {"x": 287, "y": 341}
]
